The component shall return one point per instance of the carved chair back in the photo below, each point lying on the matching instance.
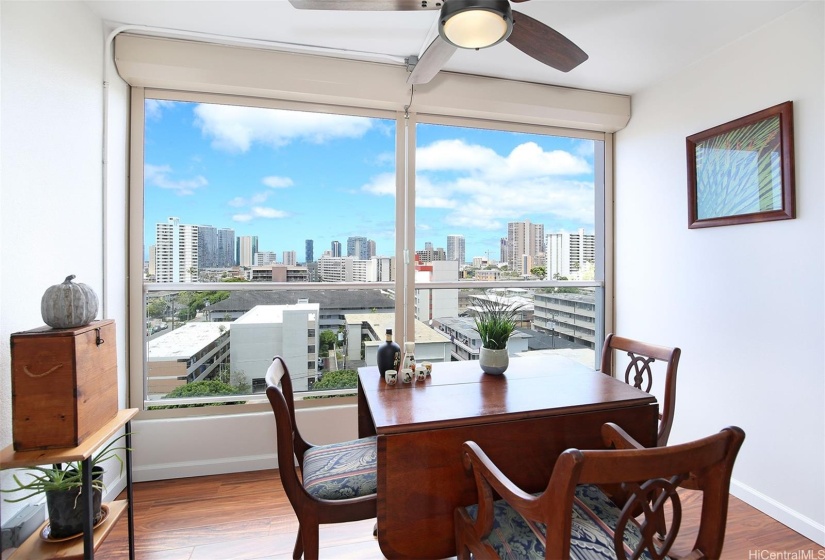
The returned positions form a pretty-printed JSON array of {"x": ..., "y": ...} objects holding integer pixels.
[{"x": 639, "y": 372}]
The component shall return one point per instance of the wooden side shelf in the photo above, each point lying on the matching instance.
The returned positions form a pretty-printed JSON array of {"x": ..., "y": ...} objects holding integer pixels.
[{"x": 36, "y": 548}]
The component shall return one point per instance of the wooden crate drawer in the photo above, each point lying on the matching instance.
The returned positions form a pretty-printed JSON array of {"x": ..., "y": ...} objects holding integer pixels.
[{"x": 64, "y": 384}]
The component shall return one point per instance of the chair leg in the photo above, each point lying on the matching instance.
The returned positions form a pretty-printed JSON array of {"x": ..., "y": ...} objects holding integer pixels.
[
  {"x": 310, "y": 534},
  {"x": 298, "y": 551}
]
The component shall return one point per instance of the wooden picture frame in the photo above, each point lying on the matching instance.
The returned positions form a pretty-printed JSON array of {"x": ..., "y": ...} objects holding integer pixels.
[{"x": 743, "y": 171}]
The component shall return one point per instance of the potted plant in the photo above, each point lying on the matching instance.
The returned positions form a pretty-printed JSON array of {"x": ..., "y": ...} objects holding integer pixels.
[
  {"x": 62, "y": 484},
  {"x": 495, "y": 321}
]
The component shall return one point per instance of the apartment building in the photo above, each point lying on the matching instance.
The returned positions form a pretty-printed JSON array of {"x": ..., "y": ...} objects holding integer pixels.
[
  {"x": 568, "y": 254},
  {"x": 525, "y": 246}
]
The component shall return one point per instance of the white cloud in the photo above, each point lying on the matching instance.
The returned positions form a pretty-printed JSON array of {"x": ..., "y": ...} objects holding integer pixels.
[
  {"x": 242, "y": 217},
  {"x": 526, "y": 160},
  {"x": 381, "y": 185},
  {"x": 276, "y": 182},
  {"x": 153, "y": 108},
  {"x": 237, "y": 202},
  {"x": 481, "y": 189},
  {"x": 235, "y": 129},
  {"x": 262, "y": 212},
  {"x": 159, "y": 175}
]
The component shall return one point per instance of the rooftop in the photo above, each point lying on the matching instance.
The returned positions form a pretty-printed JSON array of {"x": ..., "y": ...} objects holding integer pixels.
[
  {"x": 380, "y": 322},
  {"x": 275, "y": 313},
  {"x": 185, "y": 341},
  {"x": 327, "y": 299}
]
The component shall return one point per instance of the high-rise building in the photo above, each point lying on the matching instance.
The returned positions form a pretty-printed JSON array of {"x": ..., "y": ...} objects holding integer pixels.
[
  {"x": 309, "y": 251},
  {"x": 216, "y": 247},
  {"x": 568, "y": 253},
  {"x": 370, "y": 248},
  {"x": 524, "y": 239},
  {"x": 428, "y": 246},
  {"x": 226, "y": 248},
  {"x": 335, "y": 249},
  {"x": 207, "y": 247},
  {"x": 152, "y": 268},
  {"x": 358, "y": 247},
  {"x": 455, "y": 249},
  {"x": 176, "y": 252},
  {"x": 245, "y": 248},
  {"x": 290, "y": 258},
  {"x": 503, "y": 252}
]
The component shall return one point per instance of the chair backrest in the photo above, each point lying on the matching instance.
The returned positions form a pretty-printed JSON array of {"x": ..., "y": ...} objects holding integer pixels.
[
  {"x": 289, "y": 441},
  {"x": 648, "y": 479},
  {"x": 639, "y": 373}
]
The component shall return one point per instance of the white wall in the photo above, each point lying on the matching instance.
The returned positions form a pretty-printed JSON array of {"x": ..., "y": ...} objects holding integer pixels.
[
  {"x": 745, "y": 302},
  {"x": 51, "y": 202}
]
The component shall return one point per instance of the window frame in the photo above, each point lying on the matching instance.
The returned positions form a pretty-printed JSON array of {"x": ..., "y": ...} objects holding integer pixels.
[{"x": 404, "y": 283}]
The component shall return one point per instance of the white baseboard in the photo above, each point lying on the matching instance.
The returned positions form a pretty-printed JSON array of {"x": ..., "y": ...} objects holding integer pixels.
[
  {"x": 209, "y": 467},
  {"x": 802, "y": 524}
]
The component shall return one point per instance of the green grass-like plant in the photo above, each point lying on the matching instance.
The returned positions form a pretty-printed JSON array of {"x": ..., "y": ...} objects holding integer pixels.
[
  {"x": 62, "y": 476},
  {"x": 495, "y": 322}
]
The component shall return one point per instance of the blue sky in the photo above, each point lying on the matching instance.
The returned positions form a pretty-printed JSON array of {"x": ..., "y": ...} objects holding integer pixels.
[{"x": 288, "y": 176}]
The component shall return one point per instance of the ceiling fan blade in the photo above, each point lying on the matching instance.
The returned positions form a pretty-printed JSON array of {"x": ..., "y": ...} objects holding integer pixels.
[
  {"x": 431, "y": 61},
  {"x": 545, "y": 44},
  {"x": 367, "y": 5}
]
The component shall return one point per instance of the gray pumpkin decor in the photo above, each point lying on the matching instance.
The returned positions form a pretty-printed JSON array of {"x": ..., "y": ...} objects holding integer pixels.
[{"x": 68, "y": 305}]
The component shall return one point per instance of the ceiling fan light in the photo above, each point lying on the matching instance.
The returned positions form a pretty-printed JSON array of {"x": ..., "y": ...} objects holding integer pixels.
[{"x": 475, "y": 24}]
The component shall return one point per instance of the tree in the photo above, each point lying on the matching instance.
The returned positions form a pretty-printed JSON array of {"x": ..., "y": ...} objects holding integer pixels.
[
  {"x": 539, "y": 271},
  {"x": 157, "y": 308},
  {"x": 327, "y": 342},
  {"x": 341, "y": 379}
]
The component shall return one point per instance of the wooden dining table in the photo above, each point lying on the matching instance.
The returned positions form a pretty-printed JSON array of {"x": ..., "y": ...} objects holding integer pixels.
[{"x": 522, "y": 419}]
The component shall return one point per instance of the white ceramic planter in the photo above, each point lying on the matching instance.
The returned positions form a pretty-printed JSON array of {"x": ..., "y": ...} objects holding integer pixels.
[{"x": 494, "y": 362}]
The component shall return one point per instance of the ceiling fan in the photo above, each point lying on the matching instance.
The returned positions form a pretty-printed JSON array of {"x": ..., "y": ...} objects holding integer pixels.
[{"x": 471, "y": 24}]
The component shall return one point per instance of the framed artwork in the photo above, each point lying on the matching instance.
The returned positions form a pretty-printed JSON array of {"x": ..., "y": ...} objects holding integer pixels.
[{"x": 742, "y": 171}]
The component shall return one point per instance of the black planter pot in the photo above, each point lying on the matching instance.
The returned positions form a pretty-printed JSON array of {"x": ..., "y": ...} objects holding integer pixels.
[{"x": 66, "y": 509}]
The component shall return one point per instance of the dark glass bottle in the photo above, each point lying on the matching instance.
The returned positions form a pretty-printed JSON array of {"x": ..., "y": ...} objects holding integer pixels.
[{"x": 388, "y": 355}]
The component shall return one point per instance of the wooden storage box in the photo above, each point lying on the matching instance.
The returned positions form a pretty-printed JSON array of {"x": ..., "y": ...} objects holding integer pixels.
[{"x": 63, "y": 383}]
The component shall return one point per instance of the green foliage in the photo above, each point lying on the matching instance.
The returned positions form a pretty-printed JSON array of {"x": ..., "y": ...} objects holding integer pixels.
[
  {"x": 327, "y": 340},
  {"x": 341, "y": 379},
  {"x": 193, "y": 302},
  {"x": 63, "y": 476},
  {"x": 539, "y": 272},
  {"x": 234, "y": 280},
  {"x": 495, "y": 322},
  {"x": 208, "y": 388},
  {"x": 157, "y": 308}
]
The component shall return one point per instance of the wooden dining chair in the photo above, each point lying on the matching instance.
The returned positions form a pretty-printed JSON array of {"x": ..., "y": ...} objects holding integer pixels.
[
  {"x": 574, "y": 518},
  {"x": 338, "y": 481},
  {"x": 639, "y": 373}
]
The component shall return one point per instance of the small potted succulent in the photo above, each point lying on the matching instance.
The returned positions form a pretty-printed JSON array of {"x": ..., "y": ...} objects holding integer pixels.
[
  {"x": 495, "y": 322},
  {"x": 63, "y": 486}
]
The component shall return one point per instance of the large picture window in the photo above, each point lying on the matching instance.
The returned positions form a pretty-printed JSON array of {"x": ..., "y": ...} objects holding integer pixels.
[
  {"x": 270, "y": 229},
  {"x": 507, "y": 210}
]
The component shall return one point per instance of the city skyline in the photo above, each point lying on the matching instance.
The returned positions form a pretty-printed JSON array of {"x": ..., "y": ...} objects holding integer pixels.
[{"x": 287, "y": 176}]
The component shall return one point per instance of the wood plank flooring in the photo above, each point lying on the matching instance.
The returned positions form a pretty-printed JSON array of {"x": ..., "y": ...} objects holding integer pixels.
[{"x": 246, "y": 516}]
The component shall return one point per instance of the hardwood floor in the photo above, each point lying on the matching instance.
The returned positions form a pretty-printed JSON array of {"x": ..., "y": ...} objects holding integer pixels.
[{"x": 246, "y": 516}]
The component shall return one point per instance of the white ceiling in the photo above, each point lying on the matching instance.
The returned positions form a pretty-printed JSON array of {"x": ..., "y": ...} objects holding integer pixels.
[{"x": 631, "y": 44}]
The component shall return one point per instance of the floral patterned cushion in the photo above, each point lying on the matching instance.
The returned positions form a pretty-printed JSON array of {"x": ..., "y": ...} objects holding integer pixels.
[
  {"x": 591, "y": 538},
  {"x": 341, "y": 470}
]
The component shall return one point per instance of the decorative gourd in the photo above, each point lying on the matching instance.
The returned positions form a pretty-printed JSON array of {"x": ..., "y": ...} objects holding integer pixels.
[{"x": 68, "y": 305}]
